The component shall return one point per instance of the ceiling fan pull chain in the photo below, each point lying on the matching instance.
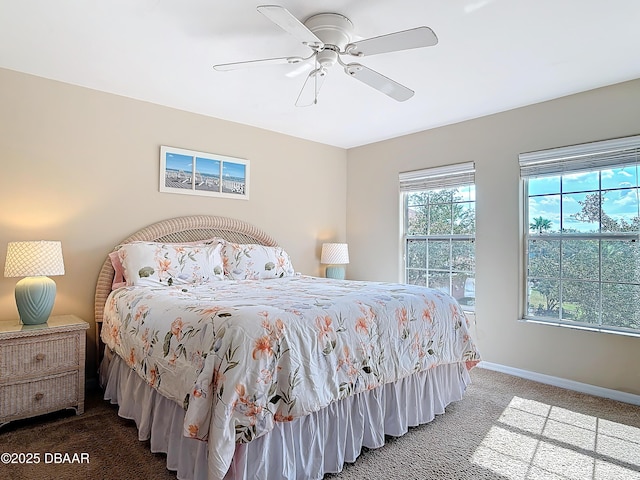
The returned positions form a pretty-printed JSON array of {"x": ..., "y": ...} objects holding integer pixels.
[{"x": 315, "y": 83}]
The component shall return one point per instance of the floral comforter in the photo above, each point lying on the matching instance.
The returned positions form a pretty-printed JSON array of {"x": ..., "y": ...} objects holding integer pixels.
[{"x": 242, "y": 355}]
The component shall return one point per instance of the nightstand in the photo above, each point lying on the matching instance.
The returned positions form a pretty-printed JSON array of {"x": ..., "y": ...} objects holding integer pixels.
[{"x": 41, "y": 367}]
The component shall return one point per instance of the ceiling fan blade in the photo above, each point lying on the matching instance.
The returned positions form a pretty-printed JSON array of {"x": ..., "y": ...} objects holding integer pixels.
[
  {"x": 224, "y": 67},
  {"x": 285, "y": 20},
  {"x": 302, "y": 68},
  {"x": 379, "y": 82},
  {"x": 309, "y": 94},
  {"x": 404, "y": 40}
]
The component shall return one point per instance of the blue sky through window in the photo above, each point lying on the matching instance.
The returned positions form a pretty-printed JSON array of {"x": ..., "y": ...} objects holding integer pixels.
[{"x": 620, "y": 197}]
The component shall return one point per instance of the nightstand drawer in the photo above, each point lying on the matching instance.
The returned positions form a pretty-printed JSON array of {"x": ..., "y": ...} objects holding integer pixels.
[
  {"x": 21, "y": 358},
  {"x": 24, "y": 399}
]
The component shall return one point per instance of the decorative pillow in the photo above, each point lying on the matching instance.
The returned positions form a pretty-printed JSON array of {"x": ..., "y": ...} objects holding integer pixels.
[
  {"x": 118, "y": 276},
  {"x": 151, "y": 263},
  {"x": 255, "y": 262}
]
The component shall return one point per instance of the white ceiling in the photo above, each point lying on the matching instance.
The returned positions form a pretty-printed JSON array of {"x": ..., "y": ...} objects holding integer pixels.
[{"x": 492, "y": 56}]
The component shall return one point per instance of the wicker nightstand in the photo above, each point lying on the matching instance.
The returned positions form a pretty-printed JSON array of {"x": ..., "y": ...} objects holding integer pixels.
[{"x": 41, "y": 367}]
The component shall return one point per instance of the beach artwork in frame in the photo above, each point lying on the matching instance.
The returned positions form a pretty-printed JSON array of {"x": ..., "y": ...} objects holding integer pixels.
[{"x": 199, "y": 173}]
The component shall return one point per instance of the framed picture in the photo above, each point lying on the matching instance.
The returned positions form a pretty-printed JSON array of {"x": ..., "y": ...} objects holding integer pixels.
[{"x": 199, "y": 173}]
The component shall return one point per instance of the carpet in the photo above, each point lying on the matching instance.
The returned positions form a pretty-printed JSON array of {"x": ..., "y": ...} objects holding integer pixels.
[{"x": 505, "y": 428}]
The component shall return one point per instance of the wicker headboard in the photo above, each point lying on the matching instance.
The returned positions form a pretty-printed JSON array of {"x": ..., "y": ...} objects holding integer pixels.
[{"x": 181, "y": 229}]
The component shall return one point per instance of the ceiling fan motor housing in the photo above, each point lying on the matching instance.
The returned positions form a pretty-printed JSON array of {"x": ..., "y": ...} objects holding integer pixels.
[{"x": 335, "y": 31}]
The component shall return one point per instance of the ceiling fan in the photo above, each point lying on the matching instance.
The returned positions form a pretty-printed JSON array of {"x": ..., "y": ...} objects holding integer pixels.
[{"x": 329, "y": 36}]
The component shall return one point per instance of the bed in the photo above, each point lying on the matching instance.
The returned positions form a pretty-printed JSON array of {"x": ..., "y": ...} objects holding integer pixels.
[{"x": 237, "y": 367}]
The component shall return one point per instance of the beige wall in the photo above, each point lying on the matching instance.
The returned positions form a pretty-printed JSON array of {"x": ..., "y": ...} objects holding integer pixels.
[
  {"x": 81, "y": 166},
  {"x": 494, "y": 142}
]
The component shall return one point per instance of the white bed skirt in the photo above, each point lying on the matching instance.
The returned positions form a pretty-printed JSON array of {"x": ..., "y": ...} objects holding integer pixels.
[{"x": 305, "y": 448}]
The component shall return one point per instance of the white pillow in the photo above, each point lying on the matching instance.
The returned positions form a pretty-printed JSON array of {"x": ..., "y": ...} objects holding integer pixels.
[
  {"x": 255, "y": 262},
  {"x": 152, "y": 264}
]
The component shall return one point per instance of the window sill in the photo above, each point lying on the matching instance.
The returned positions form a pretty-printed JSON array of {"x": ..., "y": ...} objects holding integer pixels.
[{"x": 584, "y": 328}]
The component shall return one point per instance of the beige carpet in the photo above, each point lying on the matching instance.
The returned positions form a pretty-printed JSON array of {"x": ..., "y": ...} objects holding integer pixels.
[{"x": 505, "y": 428}]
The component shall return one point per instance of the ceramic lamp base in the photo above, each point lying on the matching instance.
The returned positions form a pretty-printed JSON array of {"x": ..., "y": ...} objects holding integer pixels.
[
  {"x": 336, "y": 272},
  {"x": 34, "y": 299}
]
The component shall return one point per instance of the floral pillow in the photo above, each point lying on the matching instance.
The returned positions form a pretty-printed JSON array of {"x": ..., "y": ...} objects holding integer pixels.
[
  {"x": 150, "y": 263},
  {"x": 255, "y": 262}
]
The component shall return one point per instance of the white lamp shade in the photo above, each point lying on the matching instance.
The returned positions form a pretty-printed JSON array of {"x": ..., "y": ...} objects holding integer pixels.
[
  {"x": 32, "y": 259},
  {"x": 334, "y": 254},
  {"x": 36, "y": 293}
]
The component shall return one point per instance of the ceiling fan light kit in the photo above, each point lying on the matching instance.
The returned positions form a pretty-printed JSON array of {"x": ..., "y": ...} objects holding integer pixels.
[{"x": 329, "y": 36}]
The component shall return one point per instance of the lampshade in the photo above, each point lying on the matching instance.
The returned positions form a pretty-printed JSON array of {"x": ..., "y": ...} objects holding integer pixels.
[
  {"x": 36, "y": 293},
  {"x": 31, "y": 259},
  {"x": 334, "y": 253}
]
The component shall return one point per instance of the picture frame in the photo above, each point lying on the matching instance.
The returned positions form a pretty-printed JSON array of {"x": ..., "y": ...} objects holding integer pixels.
[{"x": 189, "y": 172}]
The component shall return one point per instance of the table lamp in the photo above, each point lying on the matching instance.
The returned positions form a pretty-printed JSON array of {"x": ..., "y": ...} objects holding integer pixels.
[
  {"x": 336, "y": 255},
  {"x": 36, "y": 292}
]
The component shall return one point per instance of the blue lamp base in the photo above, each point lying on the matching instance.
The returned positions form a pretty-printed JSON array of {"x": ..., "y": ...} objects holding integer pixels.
[
  {"x": 34, "y": 299},
  {"x": 335, "y": 271}
]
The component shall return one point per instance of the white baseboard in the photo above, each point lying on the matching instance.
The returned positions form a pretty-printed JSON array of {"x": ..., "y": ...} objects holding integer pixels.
[{"x": 563, "y": 383}]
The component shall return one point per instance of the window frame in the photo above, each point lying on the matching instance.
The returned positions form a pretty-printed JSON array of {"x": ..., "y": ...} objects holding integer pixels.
[
  {"x": 590, "y": 157},
  {"x": 437, "y": 178}
]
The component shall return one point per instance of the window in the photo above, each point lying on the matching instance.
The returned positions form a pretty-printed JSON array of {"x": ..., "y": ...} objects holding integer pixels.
[
  {"x": 582, "y": 225},
  {"x": 439, "y": 230}
]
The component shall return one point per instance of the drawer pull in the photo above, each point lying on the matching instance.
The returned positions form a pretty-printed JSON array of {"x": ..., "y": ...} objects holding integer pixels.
[
  {"x": 40, "y": 357},
  {"x": 39, "y": 396}
]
